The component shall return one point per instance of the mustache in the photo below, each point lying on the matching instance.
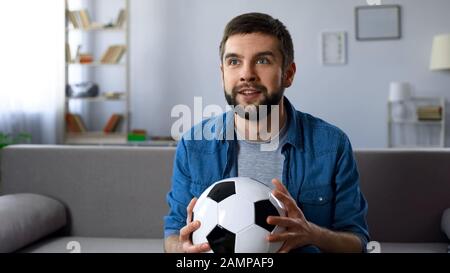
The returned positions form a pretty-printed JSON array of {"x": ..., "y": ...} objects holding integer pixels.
[{"x": 258, "y": 87}]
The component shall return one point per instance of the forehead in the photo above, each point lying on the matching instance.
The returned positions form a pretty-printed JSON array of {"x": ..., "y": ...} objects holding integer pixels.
[{"x": 250, "y": 44}]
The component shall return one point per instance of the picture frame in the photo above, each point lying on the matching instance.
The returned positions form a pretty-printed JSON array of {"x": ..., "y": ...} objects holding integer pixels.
[
  {"x": 378, "y": 22},
  {"x": 333, "y": 47}
]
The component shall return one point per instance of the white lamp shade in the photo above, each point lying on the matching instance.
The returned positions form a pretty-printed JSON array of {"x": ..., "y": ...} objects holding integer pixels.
[
  {"x": 399, "y": 91},
  {"x": 440, "y": 53}
]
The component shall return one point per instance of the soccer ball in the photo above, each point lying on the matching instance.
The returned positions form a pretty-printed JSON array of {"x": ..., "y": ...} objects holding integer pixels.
[{"x": 233, "y": 215}]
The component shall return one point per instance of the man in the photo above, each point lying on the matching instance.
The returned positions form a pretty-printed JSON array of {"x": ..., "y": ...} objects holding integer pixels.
[{"x": 315, "y": 173}]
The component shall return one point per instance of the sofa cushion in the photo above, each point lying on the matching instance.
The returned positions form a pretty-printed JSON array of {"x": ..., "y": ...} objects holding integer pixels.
[
  {"x": 95, "y": 245},
  {"x": 109, "y": 191},
  {"x": 26, "y": 218},
  {"x": 445, "y": 223},
  {"x": 407, "y": 191}
]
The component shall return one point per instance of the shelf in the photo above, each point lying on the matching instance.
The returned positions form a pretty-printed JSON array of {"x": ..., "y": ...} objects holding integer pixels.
[
  {"x": 98, "y": 99},
  {"x": 91, "y": 29},
  {"x": 111, "y": 77},
  {"x": 96, "y": 138},
  {"x": 405, "y": 130},
  {"x": 157, "y": 143},
  {"x": 96, "y": 64},
  {"x": 418, "y": 122},
  {"x": 435, "y": 99}
]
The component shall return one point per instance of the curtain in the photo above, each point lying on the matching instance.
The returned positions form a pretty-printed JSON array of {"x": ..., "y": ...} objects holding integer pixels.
[{"x": 32, "y": 72}]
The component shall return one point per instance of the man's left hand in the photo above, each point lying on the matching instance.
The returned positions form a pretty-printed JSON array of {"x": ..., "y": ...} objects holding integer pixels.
[{"x": 299, "y": 232}]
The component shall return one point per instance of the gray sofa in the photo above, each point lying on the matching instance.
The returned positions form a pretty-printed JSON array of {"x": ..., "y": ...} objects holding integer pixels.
[{"x": 115, "y": 196}]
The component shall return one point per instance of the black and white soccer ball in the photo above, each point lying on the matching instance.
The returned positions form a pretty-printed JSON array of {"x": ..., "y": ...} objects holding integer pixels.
[{"x": 233, "y": 215}]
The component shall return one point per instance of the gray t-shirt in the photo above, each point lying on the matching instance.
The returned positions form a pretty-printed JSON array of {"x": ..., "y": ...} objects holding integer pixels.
[{"x": 259, "y": 164}]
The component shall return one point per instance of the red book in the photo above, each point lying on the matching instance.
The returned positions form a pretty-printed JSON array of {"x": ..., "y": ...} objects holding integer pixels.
[
  {"x": 112, "y": 123},
  {"x": 71, "y": 124}
]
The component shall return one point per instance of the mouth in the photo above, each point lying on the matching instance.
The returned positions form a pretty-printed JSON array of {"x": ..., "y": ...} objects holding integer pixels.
[
  {"x": 249, "y": 94},
  {"x": 248, "y": 91}
]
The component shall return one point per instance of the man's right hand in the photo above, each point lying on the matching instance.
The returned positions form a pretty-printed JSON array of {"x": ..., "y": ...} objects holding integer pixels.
[{"x": 183, "y": 243}]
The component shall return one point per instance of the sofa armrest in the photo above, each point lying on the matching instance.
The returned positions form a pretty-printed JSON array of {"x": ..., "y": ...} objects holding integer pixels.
[{"x": 26, "y": 218}]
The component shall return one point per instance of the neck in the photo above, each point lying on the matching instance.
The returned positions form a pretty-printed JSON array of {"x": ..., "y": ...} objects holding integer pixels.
[{"x": 264, "y": 129}]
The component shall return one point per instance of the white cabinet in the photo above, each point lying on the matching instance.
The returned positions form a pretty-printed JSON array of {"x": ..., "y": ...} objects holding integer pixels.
[
  {"x": 416, "y": 122},
  {"x": 97, "y": 54}
]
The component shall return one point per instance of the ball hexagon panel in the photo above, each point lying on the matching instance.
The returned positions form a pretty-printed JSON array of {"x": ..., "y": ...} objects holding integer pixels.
[
  {"x": 232, "y": 207},
  {"x": 252, "y": 190},
  {"x": 249, "y": 240}
]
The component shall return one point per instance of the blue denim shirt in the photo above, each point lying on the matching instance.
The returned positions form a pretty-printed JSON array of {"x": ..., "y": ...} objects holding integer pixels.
[{"x": 319, "y": 171}]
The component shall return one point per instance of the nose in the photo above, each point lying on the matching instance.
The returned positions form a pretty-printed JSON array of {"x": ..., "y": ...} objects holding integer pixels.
[{"x": 248, "y": 73}]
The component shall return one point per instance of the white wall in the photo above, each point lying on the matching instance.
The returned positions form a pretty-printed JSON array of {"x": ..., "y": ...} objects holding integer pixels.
[{"x": 174, "y": 57}]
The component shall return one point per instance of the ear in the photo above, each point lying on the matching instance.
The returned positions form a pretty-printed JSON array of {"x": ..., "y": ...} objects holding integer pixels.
[{"x": 289, "y": 74}]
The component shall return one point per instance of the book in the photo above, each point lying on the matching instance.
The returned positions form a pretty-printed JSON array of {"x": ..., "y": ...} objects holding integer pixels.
[
  {"x": 68, "y": 54},
  {"x": 113, "y": 95},
  {"x": 76, "y": 15},
  {"x": 77, "y": 54},
  {"x": 80, "y": 123},
  {"x": 429, "y": 113},
  {"x": 72, "y": 16},
  {"x": 118, "y": 52},
  {"x": 121, "y": 19},
  {"x": 139, "y": 131},
  {"x": 113, "y": 123},
  {"x": 84, "y": 18},
  {"x": 71, "y": 125},
  {"x": 74, "y": 123},
  {"x": 113, "y": 54}
]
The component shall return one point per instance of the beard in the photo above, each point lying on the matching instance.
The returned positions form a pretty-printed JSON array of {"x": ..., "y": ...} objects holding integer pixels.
[{"x": 254, "y": 111}]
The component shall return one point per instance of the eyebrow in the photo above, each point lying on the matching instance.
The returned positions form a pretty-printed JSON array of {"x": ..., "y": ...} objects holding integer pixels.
[
  {"x": 260, "y": 54},
  {"x": 232, "y": 55},
  {"x": 265, "y": 53}
]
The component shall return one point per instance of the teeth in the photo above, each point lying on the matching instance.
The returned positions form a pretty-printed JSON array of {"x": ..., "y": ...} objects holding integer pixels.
[{"x": 248, "y": 92}]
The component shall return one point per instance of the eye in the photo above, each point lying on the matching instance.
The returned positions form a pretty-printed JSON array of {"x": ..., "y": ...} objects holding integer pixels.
[
  {"x": 263, "y": 61},
  {"x": 233, "y": 61}
]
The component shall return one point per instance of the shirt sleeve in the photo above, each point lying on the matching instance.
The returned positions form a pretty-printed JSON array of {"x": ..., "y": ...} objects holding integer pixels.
[
  {"x": 351, "y": 206},
  {"x": 179, "y": 195}
]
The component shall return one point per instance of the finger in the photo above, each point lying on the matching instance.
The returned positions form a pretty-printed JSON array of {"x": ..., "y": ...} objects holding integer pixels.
[
  {"x": 190, "y": 248},
  {"x": 281, "y": 221},
  {"x": 291, "y": 206},
  {"x": 189, "y": 210},
  {"x": 280, "y": 237},
  {"x": 186, "y": 231},
  {"x": 285, "y": 248},
  {"x": 279, "y": 186}
]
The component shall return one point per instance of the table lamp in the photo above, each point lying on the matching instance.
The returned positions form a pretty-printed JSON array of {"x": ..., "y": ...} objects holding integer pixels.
[
  {"x": 399, "y": 93},
  {"x": 440, "y": 52}
]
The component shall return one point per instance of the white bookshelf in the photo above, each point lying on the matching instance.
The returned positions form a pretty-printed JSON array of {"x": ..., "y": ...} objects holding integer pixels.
[
  {"x": 95, "y": 39},
  {"x": 410, "y": 131}
]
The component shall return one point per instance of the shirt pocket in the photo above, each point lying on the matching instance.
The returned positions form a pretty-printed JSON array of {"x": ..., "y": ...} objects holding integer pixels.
[{"x": 317, "y": 205}]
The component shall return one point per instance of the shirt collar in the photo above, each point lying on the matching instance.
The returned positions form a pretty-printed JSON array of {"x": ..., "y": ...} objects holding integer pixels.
[{"x": 295, "y": 129}]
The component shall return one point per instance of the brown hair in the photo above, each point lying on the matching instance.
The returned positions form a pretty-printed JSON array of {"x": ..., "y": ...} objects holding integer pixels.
[{"x": 261, "y": 23}]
